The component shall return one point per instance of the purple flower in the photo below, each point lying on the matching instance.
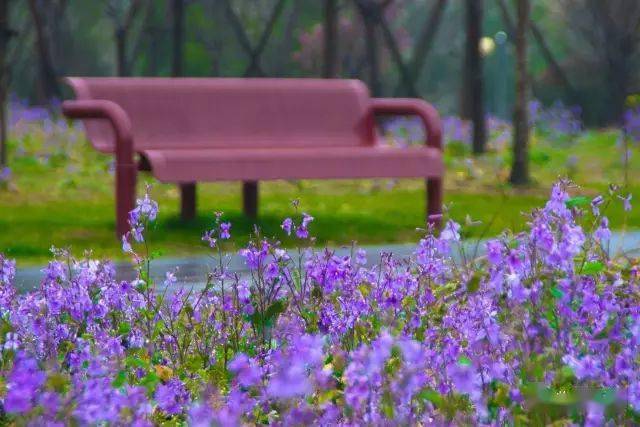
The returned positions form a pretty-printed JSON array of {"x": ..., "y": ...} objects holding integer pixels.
[
  {"x": 172, "y": 396},
  {"x": 603, "y": 233},
  {"x": 247, "y": 371},
  {"x": 11, "y": 341},
  {"x": 626, "y": 202},
  {"x": 5, "y": 174},
  {"x": 494, "y": 251},
  {"x": 146, "y": 210},
  {"x": 200, "y": 415},
  {"x": 466, "y": 379},
  {"x": 302, "y": 232},
  {"x": 126, "y": 245},
  {"x": 632, "y": 123},
  {"x": 23, "y": 385},
  {"x": 224, "y": 230},
  {"x": 587, "y": 367},
  {"x": 293, "y": 367},
  {"x": 50, "y": 402},
  {"x": 634, "y": 395},
  {"x": 287, "y": 226},
  {"x": 451, "y": 231},
  {"x": 361, "y": 257},
  {"x": 595, "y": 204},
  {"x": 7, "y": 271},
  {"x": 208, "y": 237},
  {"x": 595, "y": 415},
  {"x": 291, "y": 380}
]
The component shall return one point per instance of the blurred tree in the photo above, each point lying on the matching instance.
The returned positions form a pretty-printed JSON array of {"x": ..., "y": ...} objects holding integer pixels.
[
  {"x": 254, "y": 69},
  {"x": 211, "y": 37},
  {"x": 178, "y": 38},
  {"x": 425, "y": 40},
  {"x": 49, "y": 87},
  {"x": 125, "y": 14},
  {"x": 370, "y": 12},
  {"x": 330, "y": 46},
  {"x": 5, "y": 34},
  {"x": 282, "y": 60},
  {"x": 473, "y": 76},
  {"x": 406, "y": 79},
  {"x": 611, "y": 30},
  {"x": 520, "y": 166},
  {"x": 350, "y": 51},
  {"x": 544, "y": 48}
]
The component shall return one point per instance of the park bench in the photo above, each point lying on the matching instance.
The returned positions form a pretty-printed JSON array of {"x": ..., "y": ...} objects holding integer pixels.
[{"x": 188, "y": 130}]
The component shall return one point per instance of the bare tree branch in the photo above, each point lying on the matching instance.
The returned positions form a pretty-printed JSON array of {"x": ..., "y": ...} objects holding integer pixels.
[
  {"x": 405, "y": 75},
  {"x": 254, "y": 65},
  {"x": 542, "y": 44},
  {"x": 254, "y": 68},
  {"x": 425, "y": 41},
  {"x": 48, "y": 80}
]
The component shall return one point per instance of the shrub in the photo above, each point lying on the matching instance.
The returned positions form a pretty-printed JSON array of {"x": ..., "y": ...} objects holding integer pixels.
[{"x": 544, "y": 327}]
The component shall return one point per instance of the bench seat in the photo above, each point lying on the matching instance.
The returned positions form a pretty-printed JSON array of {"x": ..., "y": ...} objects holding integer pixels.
[{"x": 184, "y": 165}]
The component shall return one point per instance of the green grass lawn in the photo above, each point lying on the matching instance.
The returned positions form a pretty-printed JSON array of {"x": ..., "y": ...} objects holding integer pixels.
[{"x": 64, "y": 198}]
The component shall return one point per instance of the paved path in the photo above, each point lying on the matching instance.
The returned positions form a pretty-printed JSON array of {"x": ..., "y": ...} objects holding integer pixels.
[{"x": 193, "y": 271}]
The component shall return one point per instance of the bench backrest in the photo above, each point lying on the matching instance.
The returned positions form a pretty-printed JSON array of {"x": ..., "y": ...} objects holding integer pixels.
[{"x": 231, "y": 112}]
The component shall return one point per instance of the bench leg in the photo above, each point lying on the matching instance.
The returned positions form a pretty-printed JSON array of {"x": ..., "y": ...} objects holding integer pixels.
[
  {"x": 188, "y": 201},
  {"x": 126, "y": 176},
  {"x": 250, "y": 199},
  {"x": 434, "y": 201}
]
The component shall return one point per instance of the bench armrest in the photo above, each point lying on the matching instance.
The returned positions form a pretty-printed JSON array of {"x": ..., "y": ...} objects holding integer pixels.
[
  {"x": 412, "y": 106},
  {"x": 117, "y": 117}
]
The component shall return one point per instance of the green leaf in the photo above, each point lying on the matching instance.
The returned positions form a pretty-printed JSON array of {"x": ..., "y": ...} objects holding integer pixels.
[
  {"x": 149, "y": 381},
  {"x": 135, "y": 362},
  {"x": 474, "y": 283},
  {"x": 556, "y": 293},
  {"x": 275, "y": 309},
  {"x": 464, "y": 361},
  {"x": 592, "y": 268},
  {"x": 268, "y": 318},
  {"x": 124, "y": 328},
  {"x": 431, "y": 396},
  {"x": 120, "y": 379},
  {"x": 156, "y": 254},
  {"x": 577, "y": 201}
]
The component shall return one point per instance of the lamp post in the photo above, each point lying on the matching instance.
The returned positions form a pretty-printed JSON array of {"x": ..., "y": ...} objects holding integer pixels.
[{"x": 501, "y": 86}]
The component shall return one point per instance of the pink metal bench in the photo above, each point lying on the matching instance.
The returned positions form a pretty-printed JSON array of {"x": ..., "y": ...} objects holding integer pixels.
[{"x": 221, "y": 129}]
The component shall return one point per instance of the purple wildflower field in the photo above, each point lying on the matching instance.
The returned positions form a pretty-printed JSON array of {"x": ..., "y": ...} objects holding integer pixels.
[{"x": 544, "y": 328}]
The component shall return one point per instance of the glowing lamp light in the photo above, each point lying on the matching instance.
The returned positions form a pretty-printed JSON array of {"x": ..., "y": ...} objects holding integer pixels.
[{"x": 487, "y": 46}]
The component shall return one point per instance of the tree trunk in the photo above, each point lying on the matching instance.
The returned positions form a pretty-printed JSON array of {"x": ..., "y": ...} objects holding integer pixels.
[
  {"x": 48, "y": 81},
  {"x": 545, "y": 50},
  {"x": 472, "y": 96},
  {"x": 423, "y": 46},
  {"x": 4, "y": 71},
  {"x": 282, "y": 64},
  {"x": 120, "y": 36},
  {"x": 178, "y": 38},
  {"x": 405, "y": 75},
  {"x": 254, "y": 69},
  {"x": 619, "y": 82},
  {"x": 330, "y": 65},
  {"x": 520, "y": 167},
  {"x": 154, "y": 45},
  {"x": 368, "y": 11}
]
